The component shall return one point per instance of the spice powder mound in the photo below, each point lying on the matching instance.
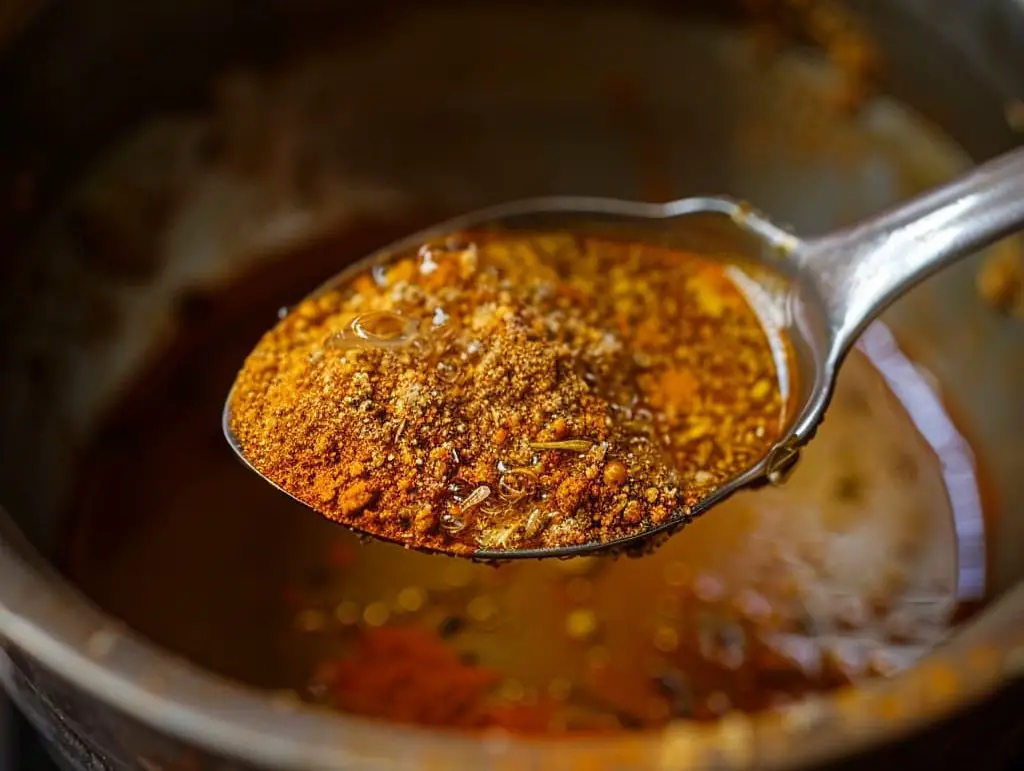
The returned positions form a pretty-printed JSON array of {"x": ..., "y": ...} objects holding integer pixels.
[{"x": 504, "y": 391}]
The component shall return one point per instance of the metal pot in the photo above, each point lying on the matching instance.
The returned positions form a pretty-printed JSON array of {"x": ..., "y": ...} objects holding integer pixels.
[{"x": 403, "y": 122}]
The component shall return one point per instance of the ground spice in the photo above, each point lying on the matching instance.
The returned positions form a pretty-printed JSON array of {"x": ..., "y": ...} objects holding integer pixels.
[
  {"x": 504, "y": 391},
  {"x": 410, "y": 674}
]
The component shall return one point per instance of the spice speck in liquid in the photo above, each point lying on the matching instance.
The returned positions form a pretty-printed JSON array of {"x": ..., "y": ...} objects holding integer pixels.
[{"x": 504, "y": 391}]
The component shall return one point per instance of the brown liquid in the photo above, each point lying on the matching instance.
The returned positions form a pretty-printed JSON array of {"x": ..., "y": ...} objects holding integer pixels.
[{"x": 855, "y": 568}]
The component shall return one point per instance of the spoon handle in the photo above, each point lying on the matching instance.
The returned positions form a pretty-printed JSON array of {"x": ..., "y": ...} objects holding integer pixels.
[{"x": 859, "y": 271}]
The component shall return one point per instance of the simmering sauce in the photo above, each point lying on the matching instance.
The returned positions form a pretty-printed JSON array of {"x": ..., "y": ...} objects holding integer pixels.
[
  {"x": 506, "y": 391},
  {"x": 852, "y": 570}
]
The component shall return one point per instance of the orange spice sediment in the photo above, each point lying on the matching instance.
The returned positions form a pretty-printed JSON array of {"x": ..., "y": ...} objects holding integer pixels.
[
  {"x": 505, "y": 391},
  {"x": 409, "y": 674}
]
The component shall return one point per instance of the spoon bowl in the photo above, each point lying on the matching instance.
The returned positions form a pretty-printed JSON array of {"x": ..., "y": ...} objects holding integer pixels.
[{"x": 815, "y": 294}]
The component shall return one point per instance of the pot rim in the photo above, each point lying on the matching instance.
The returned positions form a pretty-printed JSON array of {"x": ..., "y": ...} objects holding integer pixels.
[{"x": 43, "y": 616}]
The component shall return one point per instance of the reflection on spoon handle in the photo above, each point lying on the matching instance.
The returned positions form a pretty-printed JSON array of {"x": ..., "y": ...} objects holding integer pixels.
[{"x": 862, "y": 269}]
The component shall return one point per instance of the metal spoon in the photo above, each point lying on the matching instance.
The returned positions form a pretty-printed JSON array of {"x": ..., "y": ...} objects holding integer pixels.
[{"x": 821, "y": 292}]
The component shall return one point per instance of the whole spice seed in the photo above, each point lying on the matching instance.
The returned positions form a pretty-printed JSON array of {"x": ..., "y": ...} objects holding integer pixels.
[{"x": 513, "y": 391}]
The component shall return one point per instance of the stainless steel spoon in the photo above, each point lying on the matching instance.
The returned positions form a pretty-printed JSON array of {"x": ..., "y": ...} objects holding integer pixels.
[{"x": 821, "y": 292}]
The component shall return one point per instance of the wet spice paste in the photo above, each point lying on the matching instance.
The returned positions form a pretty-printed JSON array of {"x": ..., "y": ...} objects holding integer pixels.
[{"x": 506, "y": 391}]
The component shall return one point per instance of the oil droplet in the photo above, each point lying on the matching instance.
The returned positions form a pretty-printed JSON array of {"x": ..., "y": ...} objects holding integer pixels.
[
  {"x": 376, "y": 614},
  {"x": 448, "y": 372},
  {"x": 383, "y": 327},
  {"x": 379, "y": 329},
  {"x": 347, "y": 612},
  {"x": 411, "y": 599},
  {"x": 482, "y": 608},
  {"x": 581, "y": 624}
]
